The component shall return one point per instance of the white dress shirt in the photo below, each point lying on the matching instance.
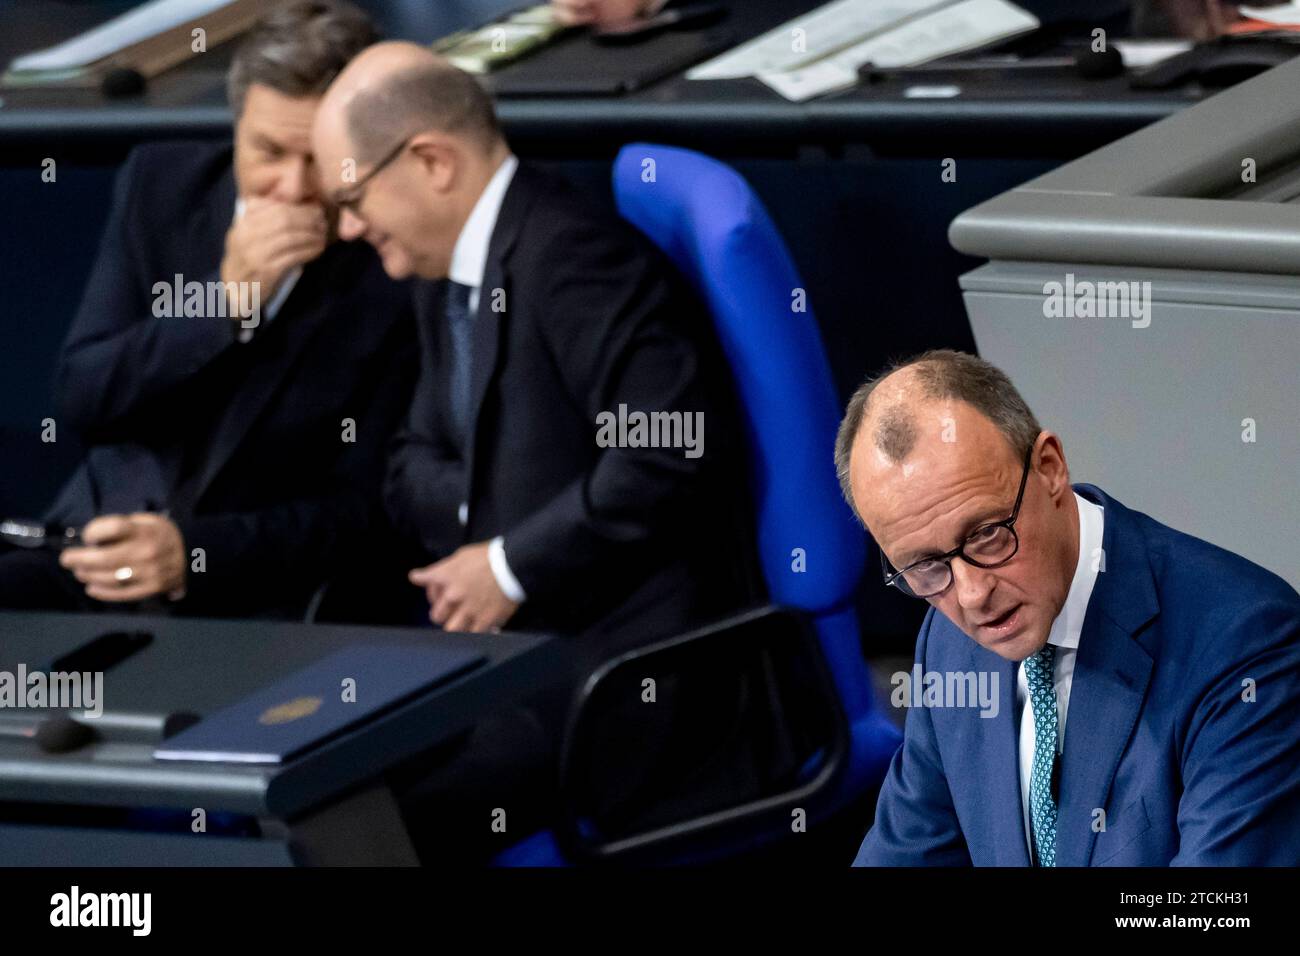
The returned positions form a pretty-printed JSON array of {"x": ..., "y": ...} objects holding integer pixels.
[
  {"x": 468, "y": 263},
  {"x": 1065, "y": 635}
]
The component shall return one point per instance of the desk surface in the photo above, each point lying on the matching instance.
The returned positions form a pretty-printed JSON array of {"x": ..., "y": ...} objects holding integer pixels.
[
  {"x": 200, "y": 666},
  {"x": 1034, "y": 110}
]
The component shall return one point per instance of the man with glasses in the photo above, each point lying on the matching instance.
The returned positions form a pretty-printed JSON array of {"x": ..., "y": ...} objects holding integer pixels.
[
  {"x": 538, "y": 312},
  {"x": 1177, "y": 663}
]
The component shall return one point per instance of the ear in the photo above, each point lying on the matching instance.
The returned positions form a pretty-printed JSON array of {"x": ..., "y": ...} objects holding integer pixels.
[
  {"x": 439, "y": 158},
  {"x": 1048, "y": 461}
]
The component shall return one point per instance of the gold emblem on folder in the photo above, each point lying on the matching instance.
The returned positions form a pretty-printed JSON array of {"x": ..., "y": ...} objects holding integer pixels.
[{"x": 293, "y": 710}]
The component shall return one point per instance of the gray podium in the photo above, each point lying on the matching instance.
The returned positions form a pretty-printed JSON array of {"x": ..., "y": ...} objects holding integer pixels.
[{"x": 1172, "y": 371}]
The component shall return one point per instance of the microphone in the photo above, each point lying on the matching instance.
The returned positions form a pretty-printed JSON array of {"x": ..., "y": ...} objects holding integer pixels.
[
  {"x": 1087, "y": 64},
  {"x": 1099, "y": 65},
  {"x": 123, "y": 81},
  {"x": 56, "y": 734}
]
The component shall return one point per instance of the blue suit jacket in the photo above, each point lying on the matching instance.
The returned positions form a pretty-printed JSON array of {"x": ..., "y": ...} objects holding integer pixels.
[{"x": 1160, "y": 738}]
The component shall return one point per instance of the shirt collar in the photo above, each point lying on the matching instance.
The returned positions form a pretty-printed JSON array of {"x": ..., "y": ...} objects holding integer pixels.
[
  {"x": 1069, "y": 623},
  {"x": 469, "y": 255}
]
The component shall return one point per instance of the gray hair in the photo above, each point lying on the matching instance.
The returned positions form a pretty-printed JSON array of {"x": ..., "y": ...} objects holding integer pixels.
[
  {"x": 941, "y": 374},
  {"x": 436, "y": 95},
  {"x": 298, "y": 49}
]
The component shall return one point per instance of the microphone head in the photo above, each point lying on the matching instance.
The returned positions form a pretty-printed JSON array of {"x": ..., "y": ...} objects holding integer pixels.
[
  {"x": 60, "y": 733},
  {"x": 1099, "y": 65},
  {"x": 123, "y": 81}
]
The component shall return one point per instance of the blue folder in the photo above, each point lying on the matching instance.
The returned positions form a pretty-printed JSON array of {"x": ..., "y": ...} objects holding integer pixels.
[{"x": 317, "y": 703}]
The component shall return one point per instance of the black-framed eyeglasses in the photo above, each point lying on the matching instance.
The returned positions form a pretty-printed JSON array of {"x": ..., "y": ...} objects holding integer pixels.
[
  {"x": 350, "y": 197},
  {"x": 988, "y": 546}
]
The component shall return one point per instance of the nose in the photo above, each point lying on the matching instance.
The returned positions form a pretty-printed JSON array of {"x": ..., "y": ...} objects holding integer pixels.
[
  {"x": 350, "y": 226},
  {"x": 298, "y": 183},
  {"x": 972, "y": 585}
]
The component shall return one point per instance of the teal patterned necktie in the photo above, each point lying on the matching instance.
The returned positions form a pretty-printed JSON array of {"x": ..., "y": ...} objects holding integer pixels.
[{"x": 1042, "y": 803}]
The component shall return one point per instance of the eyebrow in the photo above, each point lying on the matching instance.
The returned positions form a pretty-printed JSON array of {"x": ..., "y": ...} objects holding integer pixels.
[
  {"x": 968, "y": 527},
  {"x": 267, "y": 141}
]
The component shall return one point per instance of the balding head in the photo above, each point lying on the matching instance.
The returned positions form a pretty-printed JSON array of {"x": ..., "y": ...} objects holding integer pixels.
[
  {"x": 393, "y": 90},
  {"x": 887, "y": 406},
  {"x": 406, "y": 144},
  {"x": 891, "y": 418}
]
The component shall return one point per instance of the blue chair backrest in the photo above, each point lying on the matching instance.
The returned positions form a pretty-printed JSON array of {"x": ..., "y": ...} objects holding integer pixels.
[{"x": 706, "y": 218}]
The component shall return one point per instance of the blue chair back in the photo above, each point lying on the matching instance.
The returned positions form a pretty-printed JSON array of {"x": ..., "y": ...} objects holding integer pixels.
[{"x": 706, "y": 218}]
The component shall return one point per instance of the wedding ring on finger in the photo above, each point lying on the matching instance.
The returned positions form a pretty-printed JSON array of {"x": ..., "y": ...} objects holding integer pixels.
[{"x": 123, "y": 575}]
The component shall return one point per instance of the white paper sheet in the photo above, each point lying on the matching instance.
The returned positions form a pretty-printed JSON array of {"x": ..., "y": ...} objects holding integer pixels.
[
  {"x": 1138, "y": 54},
  {"x": 966, "y": 25},
  {"x": 1287, "y": 14},
  {"x": 135, "y": 25},
  {"x": 825, "y": 30}
]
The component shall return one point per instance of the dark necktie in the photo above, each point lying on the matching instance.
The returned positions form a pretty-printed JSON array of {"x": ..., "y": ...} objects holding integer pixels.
[{"x": 460, "y": 324}]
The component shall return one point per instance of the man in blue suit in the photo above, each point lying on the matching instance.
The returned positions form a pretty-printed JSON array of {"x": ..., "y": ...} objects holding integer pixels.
[{"x": 1175, "y": 665}]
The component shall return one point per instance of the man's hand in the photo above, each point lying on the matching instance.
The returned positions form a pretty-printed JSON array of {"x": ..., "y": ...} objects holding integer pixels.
[
  {"x": 577, "y": 12},
  {"x": 463, "y": 593},
  {"x": 128, "y": 558},
  {"x": 1200, "y": 19},
  {"x": 270, "y": 239}
]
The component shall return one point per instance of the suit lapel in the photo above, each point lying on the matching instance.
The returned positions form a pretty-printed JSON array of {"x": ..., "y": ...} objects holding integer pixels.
[
  {"x": 300, "y": 327},
  {"x": 206, "y": 241},
  {"x": 211, "y": 221},
  {"x": 993, "y": 756},
  {"x": 494, "y": 302},
  {"x": 1111, "y": 674},
  {"x": 487, "y": 342},
  {"x": 429, "y": 298}
]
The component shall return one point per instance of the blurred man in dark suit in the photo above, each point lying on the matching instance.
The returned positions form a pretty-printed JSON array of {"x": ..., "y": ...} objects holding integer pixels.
[
  {"x": 540, "y": 320},
  {"x": 544, "y": 317},
  {"x": 234, "y": 371}
]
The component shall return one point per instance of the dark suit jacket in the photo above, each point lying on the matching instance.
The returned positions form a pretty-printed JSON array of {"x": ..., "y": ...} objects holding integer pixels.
[
  {"x": 578, "y": 314},
  {"x": 244, "y": 444},
  {"x": 1162, "y": 737}
]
